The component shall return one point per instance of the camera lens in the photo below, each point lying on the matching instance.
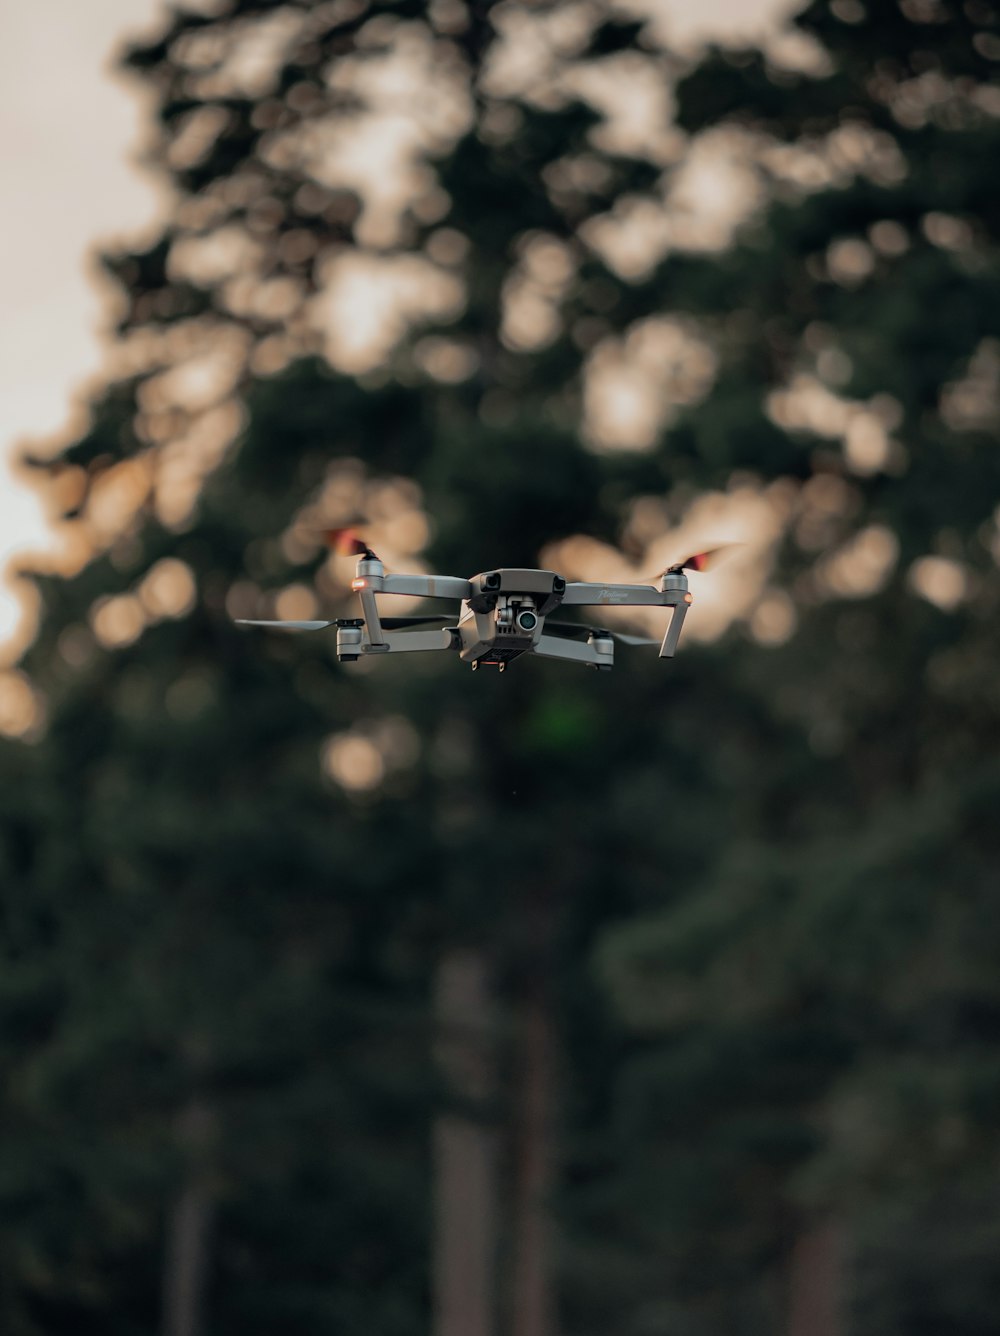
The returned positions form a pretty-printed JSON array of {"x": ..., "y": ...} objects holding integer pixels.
[{"x": 527, "y": 621}]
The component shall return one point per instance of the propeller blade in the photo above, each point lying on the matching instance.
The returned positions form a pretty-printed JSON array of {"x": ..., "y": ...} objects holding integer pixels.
[
  {"x": 285, "y": 626},
  {"x": 703, "y": 561},
  {"x": 388, "y": 623},
  {"x": 347, "y": 542},
  {"x": 634, "y": 640}
]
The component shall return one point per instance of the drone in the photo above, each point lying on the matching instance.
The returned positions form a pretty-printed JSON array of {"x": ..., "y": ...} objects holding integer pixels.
[{"x": 504, "y": 613}]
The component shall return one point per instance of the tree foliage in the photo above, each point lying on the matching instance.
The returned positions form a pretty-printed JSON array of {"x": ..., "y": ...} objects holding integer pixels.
[{"x": 757, "y": 888}]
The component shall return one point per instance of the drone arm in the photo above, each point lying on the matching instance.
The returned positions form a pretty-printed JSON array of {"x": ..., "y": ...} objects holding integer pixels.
[
  {"x": 581, "y": 593},
  {"x": 675, "y": 597},
  {"x": 580, "y": 651},
  {"x": 372, "y": 579},
  {"x": 417, "y": 586},
  {"x": 406, "y": 642},
  {"x": 370, "y": 609}
]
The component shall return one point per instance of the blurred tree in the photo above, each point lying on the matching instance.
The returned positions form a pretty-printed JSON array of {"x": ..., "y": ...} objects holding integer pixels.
[
  {"x": 269, "y": 855},
  {"x": 421, "y": 265},
  {"x": 837, "y": 965}
]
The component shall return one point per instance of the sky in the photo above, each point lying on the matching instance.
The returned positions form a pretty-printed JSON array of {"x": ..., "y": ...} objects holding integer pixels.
[
  {"x": 73, "y": 135},
  {"x": 71, "y": 129}
]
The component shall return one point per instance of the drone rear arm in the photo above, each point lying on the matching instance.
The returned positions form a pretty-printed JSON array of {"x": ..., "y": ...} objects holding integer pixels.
[
  {"x": 355, "y": 642},
  {"x": 405, "y": 642},
  {"x": 372, "y": 579},
  {"x": 598, "y": 652}
]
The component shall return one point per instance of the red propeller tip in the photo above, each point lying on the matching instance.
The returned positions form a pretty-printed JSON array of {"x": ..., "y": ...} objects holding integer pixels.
[
  {"x": 347, "y": 542},
  {"x": 703, "y": 561}
]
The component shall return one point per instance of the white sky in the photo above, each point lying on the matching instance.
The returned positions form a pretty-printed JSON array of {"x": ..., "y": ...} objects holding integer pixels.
[
  {"x": 69, "y": 129},
  {"x": 72, "y": 129}
]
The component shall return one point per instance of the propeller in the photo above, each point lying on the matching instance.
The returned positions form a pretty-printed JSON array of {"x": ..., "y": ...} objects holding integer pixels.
[
  {"x": 347, "y": 542},
  {"x": 701, "y": 561},
  {"x": 627, "y": 639},
  {"x": 285, "y": 626},
  {"x": 388, "y": 623},
  {"x": 577, "y": 631}
]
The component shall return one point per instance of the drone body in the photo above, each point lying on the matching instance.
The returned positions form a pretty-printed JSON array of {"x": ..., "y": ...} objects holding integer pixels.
[{"x": 503, "y": 614}]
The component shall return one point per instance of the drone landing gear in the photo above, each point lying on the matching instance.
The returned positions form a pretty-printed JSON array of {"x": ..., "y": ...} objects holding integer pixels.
[{"x": 490, "y": 663}]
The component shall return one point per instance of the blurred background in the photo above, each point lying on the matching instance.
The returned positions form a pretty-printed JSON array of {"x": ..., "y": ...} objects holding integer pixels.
[{"x": 388, "y": 999}]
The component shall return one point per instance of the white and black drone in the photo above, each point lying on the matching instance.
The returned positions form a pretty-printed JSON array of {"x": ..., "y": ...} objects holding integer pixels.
[{"x": 503, "y": 613}]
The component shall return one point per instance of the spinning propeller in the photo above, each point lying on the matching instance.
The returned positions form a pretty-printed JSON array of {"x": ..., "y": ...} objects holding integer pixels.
[
  {"x": 346, "y": 541},
  {"x": 702, "y": 561},
  {"x": 388, "y": 623}
]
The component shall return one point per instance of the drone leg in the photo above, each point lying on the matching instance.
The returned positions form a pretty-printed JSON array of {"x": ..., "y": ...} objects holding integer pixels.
[
  {"x": 670, "y": 640},
  {"x": 374, "y": 627},
  {"x": 475, "y": 665}
]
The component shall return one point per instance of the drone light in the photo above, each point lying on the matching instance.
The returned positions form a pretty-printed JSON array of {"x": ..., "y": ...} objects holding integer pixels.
[
  {"x": 359, "y": 584},
  {"x": 689, "y": 598}
]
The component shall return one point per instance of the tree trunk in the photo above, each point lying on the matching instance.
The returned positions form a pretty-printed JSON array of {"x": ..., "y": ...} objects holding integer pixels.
[
  {"x": 464, "y": 1149},
  {"x": 814, "y": 1282},
  {"x": 188, "y": 1229},
  {"x": 534, "y": 1308}
]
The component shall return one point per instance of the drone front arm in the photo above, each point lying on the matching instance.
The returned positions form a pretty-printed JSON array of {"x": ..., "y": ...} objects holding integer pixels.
[
  {"x": 414, "y": 586},
  {"x": 675, "y": 597},
  {"x": 580, "y": 593},
  {"x": 372, "y": 624},
  {"x": 371, "y": 580},
  {"x": 669, "y": 646}
]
